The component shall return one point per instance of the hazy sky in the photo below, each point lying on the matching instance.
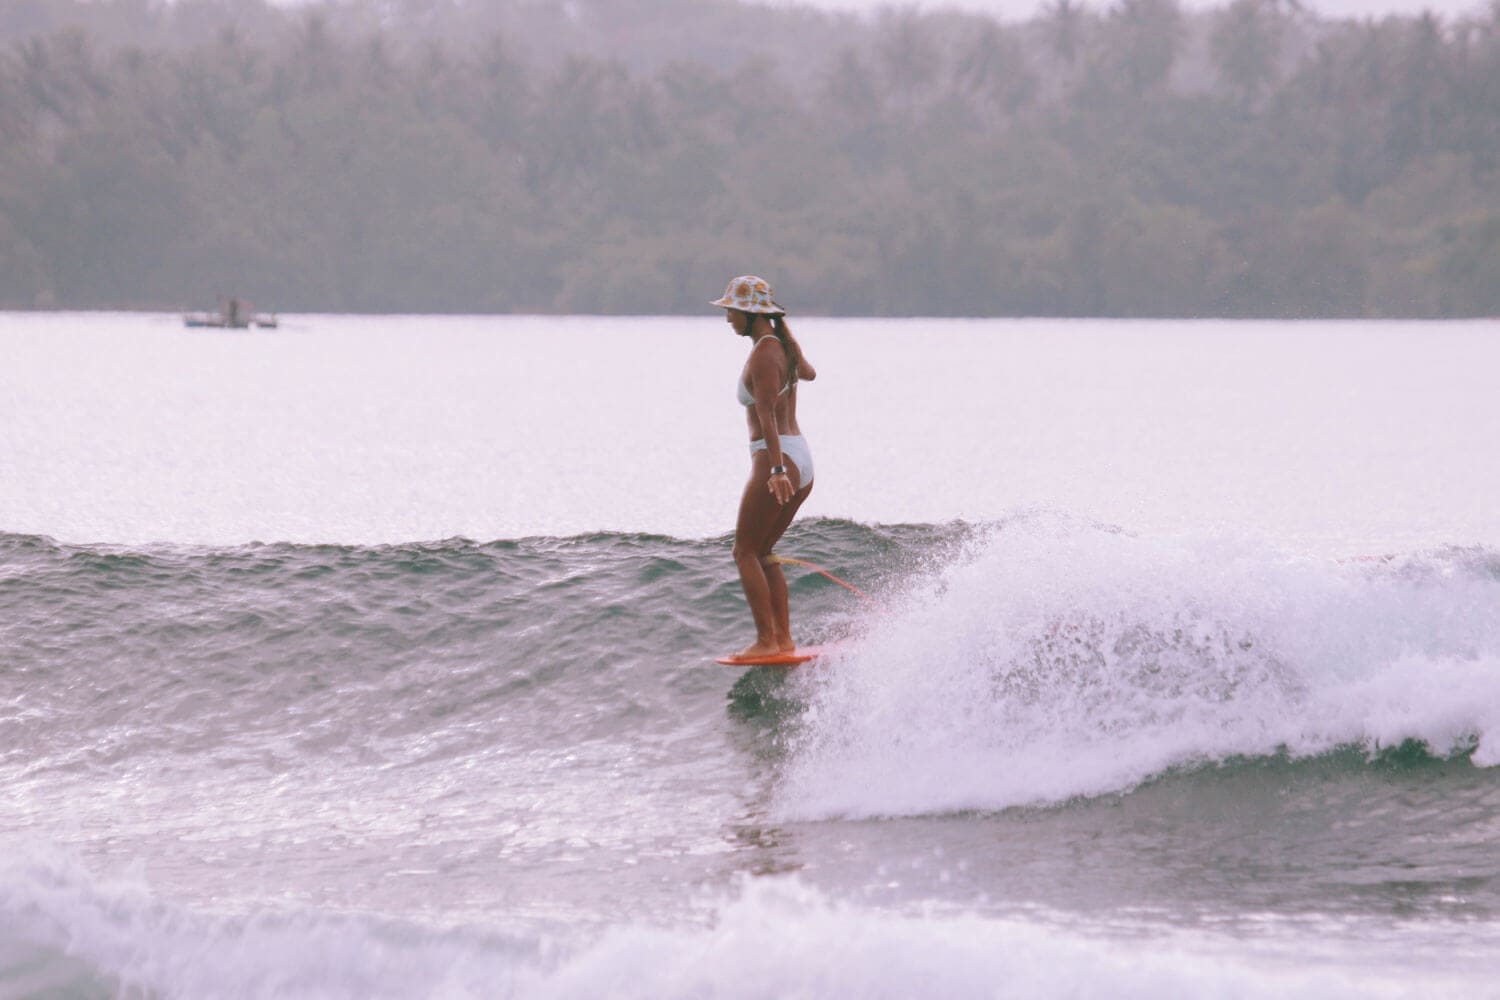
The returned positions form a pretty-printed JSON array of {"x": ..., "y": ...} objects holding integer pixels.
[{"x": 1025, "y": 8}]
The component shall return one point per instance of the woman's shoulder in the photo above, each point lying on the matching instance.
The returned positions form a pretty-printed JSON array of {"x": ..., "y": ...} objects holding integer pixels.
[{"x": 768, "y": 348}]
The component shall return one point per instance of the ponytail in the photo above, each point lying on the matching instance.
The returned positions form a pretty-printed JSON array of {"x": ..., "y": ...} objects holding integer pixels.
[{"x": 788, "y": 346}]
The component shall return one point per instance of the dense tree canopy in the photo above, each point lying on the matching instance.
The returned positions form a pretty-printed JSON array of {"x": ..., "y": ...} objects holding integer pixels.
[{"x": 626, "y": 156}]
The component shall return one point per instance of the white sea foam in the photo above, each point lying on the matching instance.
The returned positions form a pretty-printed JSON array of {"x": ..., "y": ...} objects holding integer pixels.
[
  {"x": 68, "y": 936},
  {"x": 1058, "y": 660}
]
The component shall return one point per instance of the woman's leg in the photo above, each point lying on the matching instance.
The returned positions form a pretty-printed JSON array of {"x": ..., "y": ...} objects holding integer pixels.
[
  {"x": 781, "y": 612},
  {"x": 761, "y": 523}
]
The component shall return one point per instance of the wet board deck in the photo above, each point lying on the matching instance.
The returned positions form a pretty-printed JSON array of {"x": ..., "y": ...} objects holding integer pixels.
[{"x": 800, "y": 655}]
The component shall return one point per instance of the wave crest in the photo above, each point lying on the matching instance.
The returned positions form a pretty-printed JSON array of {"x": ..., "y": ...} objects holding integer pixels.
[{"x": 1056, "y": 660}]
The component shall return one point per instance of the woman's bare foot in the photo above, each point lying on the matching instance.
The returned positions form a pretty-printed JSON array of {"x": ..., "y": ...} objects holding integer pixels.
[{"x": 759, "y": 649}]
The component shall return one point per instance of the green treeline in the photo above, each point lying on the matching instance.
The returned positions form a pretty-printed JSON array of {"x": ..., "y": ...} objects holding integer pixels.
[{"x": 628, "y": 156}]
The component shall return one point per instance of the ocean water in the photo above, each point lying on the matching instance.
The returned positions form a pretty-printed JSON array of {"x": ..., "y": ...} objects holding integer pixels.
[{"x": 371, "y": 657}]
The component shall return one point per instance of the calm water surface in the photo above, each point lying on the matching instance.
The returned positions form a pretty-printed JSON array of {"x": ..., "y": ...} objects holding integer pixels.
[{"x": 1347, "y": 436}]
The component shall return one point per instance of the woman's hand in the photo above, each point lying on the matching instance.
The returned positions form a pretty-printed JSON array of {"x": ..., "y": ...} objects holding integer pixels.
[{"x": 781, "y": 488}]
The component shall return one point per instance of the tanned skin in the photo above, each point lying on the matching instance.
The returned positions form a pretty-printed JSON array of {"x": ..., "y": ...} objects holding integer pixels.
[{"x": 769, "y": 502}]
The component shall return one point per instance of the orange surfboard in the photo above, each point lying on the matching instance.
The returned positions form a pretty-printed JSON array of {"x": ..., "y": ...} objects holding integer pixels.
[{"x": 800, "y": 655}]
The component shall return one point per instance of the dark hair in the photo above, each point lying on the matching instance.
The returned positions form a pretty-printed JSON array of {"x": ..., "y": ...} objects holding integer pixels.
[{"x": 784, "y": 334}]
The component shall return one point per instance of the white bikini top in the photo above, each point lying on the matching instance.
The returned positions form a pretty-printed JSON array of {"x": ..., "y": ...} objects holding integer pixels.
[{"x": 743, "y": 395}]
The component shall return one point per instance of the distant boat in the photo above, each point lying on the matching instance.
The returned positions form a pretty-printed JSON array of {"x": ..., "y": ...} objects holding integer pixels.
[{"x": 236, "y": 315}]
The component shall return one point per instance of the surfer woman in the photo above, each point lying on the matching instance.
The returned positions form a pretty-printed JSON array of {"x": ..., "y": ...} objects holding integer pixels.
[{"x": 781, "y": 469}]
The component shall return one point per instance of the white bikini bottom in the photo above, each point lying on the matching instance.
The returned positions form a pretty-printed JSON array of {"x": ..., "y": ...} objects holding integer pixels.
[{"x": 793, "y": 446}]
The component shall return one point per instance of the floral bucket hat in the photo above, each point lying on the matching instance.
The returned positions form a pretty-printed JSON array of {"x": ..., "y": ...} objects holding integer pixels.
[{"x": 750, "y": 294}]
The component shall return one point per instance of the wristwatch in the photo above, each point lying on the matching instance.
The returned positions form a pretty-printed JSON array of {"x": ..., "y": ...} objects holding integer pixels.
[{"x": 778, "y": 470}]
